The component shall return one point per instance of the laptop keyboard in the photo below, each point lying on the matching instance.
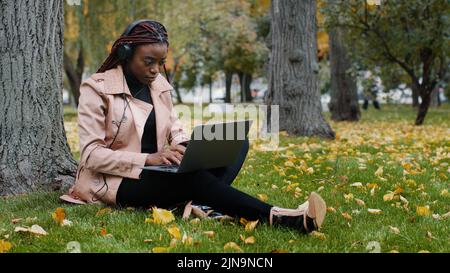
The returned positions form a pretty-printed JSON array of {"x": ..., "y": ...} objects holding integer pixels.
[{"x": 169, "y": 166}]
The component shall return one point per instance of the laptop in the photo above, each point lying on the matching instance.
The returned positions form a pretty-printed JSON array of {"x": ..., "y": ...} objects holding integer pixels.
[{"x": 211, "y": 146}]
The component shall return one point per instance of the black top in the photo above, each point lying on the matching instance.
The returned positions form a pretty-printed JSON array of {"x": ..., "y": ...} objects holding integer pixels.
[{"x": 142, "y": 92}]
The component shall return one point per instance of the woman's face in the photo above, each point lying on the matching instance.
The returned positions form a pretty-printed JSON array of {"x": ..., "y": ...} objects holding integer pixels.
[{"x": 147, "y": 60}]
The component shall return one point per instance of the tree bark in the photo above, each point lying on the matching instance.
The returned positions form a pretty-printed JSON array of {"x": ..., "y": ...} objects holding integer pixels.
[
  {"x": 34, "y": 151},
  {"x": 344, "y": 97},
  {"x": 247, "y": 91},
  {"x": 228, "y": 81},
  {"x": 242, "y": 84},
  {"x": 245, "y": 80},
  {"x": 210, "y": 89},
  {"x": 74, "y": 75},
  {"x": 415, "y": 95},
  {"x": 173, "y": 81},
  {"x": 176, "y": 87},
  {"x": 423, "y": 107},
  {"x": 293, "y": 79}
]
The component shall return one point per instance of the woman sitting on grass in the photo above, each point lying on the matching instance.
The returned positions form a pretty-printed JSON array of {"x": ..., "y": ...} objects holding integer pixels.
[{"x": 125, "y": 117}]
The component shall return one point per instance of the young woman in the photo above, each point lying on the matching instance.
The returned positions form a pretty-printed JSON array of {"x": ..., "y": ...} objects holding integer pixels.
[{"x": 125, "y": 118}]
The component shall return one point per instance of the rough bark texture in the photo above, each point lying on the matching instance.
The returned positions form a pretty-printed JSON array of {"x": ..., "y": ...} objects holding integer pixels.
[
  {"x": 344, "y": 97},
  {"x": 245, "y": 80},
  {"x": 228, "y": 81},
  {"x": 74, "y": 74},
  {"x": 423, "y": 107},
  {"x": 415, "y": 95},
  {"x": 293, "y": 81},
  {"x": 34, "y": 153}
]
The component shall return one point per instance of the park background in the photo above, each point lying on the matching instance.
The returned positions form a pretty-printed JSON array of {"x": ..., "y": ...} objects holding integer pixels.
[{"x": 382, "y": 167}]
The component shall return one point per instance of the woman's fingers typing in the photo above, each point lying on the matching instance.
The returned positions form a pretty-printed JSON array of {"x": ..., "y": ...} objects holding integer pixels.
[
  {"x": 179, "y": 148},
  {"x": 173, "y": 156}
]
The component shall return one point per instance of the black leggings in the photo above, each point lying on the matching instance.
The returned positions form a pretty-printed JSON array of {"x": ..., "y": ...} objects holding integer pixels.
[{"x": 205, "y": 187}]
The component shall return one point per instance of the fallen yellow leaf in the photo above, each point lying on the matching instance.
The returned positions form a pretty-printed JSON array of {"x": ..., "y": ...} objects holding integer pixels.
[
  {"x": 347, "y": 216},
  {"x": 291, "y": 186},
  {"x": 360, "y": 202},
  {"x": 210, "y": 233},
  {"x": 162, "y": 216},
  {"x": 388, "y": 196},
  {"x": 195, "y": 221},
  {"x": 357, "y": 184},
  {"x": 59, "y": 215},
  {"x": 375, "y": 211},
  {"x": 379, "y": 171},
  {"x": 398, "y": 190},
  {"x": 250, "y": 240},
  {"x": 17, "y": 220},
  {"x": 173, "y": 242},
  {"x": 103, "y": 232},
  {"x": 423, "y": 211},
  {"x": 187, "y": 240},
  {"x": 318, "y": 235},
  {"x": 394, "y": 229},
  {"x": 5, "y": 246},
  {"x": 348, "y": 197},
  {"x": 250, "y": 225},
  {"x": 174, "y": 231},
  {"x": 262, "y": 196},
  {"x": 35, "y": 229},
  {"x": 232, "y": 246},
  {"x": 160, "y": 249}
]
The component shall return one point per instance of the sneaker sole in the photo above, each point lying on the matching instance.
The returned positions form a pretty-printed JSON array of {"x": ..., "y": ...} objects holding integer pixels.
[{"x": 317, "y": 208}]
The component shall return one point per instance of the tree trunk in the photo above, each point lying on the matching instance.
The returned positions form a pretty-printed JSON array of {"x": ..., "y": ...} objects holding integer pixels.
[
  {"x": 173, "y": 81},
  {"x": 228, "y": 81},
  {"x": 74, "y": 75},
  {"x": 247, "y": 91},
  {"x": 177, "y": 92},
  {"x": 293, "y": 79},
  {"x": 210, "y": 90},
  {"x": 423, "y": 107},
  {"x": 245, "y": 81},
  {"x": 344, "y": 97},
  {"x": 415, "y": 95},
  {"x": 34, "y": 152}
]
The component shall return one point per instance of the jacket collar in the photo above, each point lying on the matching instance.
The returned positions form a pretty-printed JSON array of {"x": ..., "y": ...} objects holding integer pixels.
[{"x": 115, "y": 83}]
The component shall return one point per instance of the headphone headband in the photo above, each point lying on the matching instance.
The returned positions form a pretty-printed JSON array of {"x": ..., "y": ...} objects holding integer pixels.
[{"x": 131, "y": 26}]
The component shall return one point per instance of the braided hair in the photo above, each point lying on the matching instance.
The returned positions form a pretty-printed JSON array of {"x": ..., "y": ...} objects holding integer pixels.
[{"x": 147, "y": 32}]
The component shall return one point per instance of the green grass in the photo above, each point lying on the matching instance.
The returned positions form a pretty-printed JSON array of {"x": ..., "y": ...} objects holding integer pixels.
[{"x": 385, "y": 138}]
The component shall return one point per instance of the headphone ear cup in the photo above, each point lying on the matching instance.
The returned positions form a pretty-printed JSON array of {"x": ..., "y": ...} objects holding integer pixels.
[{"x": 124, "y": 52}]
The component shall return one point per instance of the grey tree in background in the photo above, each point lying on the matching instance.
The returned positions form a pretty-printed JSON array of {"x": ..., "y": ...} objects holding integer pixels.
[
  {"x": 293, "y": 69},
  {"x": 343, "y": 91}
]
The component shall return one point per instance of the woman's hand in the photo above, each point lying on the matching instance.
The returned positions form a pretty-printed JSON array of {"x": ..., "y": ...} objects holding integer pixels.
[{"x": 173, "y": 155}]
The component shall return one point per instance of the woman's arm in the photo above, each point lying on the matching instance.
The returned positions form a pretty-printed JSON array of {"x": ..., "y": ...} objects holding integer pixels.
[
  {"x": 177, "y": 134},
  {"x": 95, "y": 154}
]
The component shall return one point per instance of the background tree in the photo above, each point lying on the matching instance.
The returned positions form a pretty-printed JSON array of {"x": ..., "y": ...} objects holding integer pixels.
[
  {"x": 343, "y": 92},
  {"x": 90, "y": 33},
  {"x": 34, "y": 151},
  {"x": 293, "y": 83},
  {"x": 410, "y": 34}
]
